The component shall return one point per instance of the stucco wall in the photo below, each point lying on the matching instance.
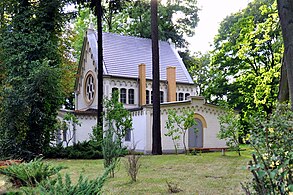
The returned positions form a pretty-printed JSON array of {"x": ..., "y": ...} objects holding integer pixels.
[
  {"x": 87, "y": 122},
  {"x": 138, "y": 134},
  {"x": 87, "y": 65}
]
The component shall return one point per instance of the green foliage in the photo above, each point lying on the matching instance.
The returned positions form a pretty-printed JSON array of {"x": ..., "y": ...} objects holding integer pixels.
[
  {"x": 116, "y": 117},
  {"x": 117, "y": 120},
  {"x": 178, "y": 125},
  {"x": 271, "y": 167},
  {"x": 245, "y": 65},
  {"x": 31, "y": 173},
  {"x": 198, "y": 67},
  {"x": 29, "y": 112},
  {"x": 80, "y": 150},
  {"x": 230, "y": 129},
  {"x": 65, "y": 186},
  {"x": 30, "y": 58},
  {"x": 135, "y": 20}
]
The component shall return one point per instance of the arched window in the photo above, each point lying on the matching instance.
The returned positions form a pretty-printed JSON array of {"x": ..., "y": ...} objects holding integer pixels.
[
  {"x": 114, "y": 89},
  {"x": 186, "y": 96},
  {"x": 131, "y": 96},
  {"x": 89, "y": 88},
  {"x": 123, "y": 95},
  {"x": 147, "y": 92},
  {"x": 161, "y": 96},
  {"x": 181, "y": 97}
]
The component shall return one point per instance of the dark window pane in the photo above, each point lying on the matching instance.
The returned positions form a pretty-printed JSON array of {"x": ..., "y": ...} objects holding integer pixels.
[
  {"x": 131, "y": 96},
  {"x": 123, "y": 96},
  {"x": 161, "y": 96},
  {"x": 128, "y": 135},
  {"x": 147, "y": 96},
  {"x": 181, "y": 97}
]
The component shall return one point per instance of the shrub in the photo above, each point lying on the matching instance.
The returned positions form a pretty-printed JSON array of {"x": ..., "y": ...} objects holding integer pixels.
[
  {"x": 118, "y": 121},
  {"x": 81, "y": 150},
  {"x": 132, "y": 164},
  {"x": 29, "y": 174},
  {"x": 230, "y": 129},
  {"x": 63, "y": 186},
  {"x": 272, "y": 161}
]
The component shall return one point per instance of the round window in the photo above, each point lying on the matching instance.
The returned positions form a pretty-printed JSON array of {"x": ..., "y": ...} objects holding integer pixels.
[{"x": 89, "y": 88}]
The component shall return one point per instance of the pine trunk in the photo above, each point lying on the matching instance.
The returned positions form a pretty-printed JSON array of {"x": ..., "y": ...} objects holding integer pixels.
[
  {"x": 285, "y": 8},
  {"x": 156, "y": 132},
  {"x": 100, "y": 65}
]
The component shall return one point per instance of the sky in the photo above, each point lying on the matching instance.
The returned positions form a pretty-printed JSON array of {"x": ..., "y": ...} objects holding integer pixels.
[{"x": 210, "y": 16}]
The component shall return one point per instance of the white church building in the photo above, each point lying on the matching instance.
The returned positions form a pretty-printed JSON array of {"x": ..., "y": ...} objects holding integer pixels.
[{"x": 127, "y": 67}]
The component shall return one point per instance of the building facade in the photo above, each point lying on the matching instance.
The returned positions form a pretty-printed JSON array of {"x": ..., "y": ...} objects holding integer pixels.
[{"x": 127, "y": 68}]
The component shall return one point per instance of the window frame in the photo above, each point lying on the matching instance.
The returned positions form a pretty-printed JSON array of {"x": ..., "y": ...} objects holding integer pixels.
[
  {"x": 123, "y": 96},
  {"x": 89, "y": 88},
  {"x": 180, "y": 96},
  {"x": 130, "y": 96}
]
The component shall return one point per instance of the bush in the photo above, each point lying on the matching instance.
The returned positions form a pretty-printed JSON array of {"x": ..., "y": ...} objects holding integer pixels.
[
  {"x": 29, "y": 174},
  {"x": 132, "y": 164},
  {"x": 273, "y": 158},
  {"x": 63, "y": 186},
  {"x": 80, "y": 150}
]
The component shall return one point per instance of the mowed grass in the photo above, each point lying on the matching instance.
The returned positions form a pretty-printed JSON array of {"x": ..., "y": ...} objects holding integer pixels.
[{"x": 206, "y": 173}]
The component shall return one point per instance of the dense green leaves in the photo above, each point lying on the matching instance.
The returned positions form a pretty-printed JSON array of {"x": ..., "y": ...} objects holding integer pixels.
[
  {"x": 30, "y": 58},
  {"x": 245, "y": 65},
  {"x": 230, "y": 129},
  {"x": 272, "y": 138}
]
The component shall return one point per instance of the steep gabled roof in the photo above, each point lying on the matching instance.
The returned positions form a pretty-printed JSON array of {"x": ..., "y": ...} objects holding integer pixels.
[{"x": 123, "y": 54}]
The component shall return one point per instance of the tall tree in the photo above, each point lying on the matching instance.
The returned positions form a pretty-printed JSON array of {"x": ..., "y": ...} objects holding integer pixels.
[
  {"x": 31, "y": 58},
  {"x": 285, "y": 8},
  {"x": 247, "y": 59},
  {"x": 96, "y": 5},
  {"x": 156, "y": 132}
]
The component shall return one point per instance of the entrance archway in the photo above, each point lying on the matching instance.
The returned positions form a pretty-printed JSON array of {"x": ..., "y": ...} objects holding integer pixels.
[{"x": 195, "y": 140}]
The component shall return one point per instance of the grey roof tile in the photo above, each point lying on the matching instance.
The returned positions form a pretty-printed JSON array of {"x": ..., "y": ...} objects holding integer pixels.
[{"x": 123, "y": 54}]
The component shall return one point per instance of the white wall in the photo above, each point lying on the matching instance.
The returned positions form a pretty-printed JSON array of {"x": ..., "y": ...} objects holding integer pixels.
[
  {"x": 138, "y": 134},
  {"x": 87, "y": 65}
]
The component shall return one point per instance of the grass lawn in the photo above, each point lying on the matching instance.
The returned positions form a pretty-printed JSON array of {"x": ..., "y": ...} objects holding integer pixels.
[{"x": 207, "y": 173}]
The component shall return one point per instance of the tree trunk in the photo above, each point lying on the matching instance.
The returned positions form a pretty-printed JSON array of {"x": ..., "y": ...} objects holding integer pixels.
[
  {"x": 283, "y": 85},
  {"x": 100, "y": 65},
  {"x": 156, "y": 132},
  {"x": 285, "y": 8}
]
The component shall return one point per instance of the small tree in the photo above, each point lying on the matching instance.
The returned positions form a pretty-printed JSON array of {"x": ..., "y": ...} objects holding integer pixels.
[
  {"x": 230, "y": 129},
  {"x": 117, "y": 120},
  {"x": 178, "y": 125}
]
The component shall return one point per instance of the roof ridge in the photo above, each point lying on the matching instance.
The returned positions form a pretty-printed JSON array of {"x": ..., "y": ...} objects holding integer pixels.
[{"x": 131, "y": 36}]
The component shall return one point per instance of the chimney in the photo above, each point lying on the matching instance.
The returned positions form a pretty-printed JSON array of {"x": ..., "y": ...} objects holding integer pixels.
[
  {"x": 171, "y": 79},
  {"x": 142, "y": 84}
]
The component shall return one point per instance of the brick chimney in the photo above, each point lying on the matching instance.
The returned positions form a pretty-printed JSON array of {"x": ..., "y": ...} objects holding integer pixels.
[
  {"x": 142, "y": 84},
  {"x": 171, "y": 79}
]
